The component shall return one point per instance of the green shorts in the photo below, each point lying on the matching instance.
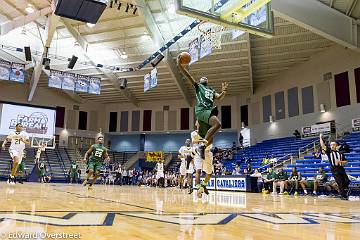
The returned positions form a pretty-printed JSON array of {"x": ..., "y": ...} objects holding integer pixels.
[
  {"x": 21, "y": 167},
  {"x": 203, "y": 115},
  {"x": 310, "y": 184},
  {"x": 42, "y": 172},
  {"x": 94, "y": 166}
]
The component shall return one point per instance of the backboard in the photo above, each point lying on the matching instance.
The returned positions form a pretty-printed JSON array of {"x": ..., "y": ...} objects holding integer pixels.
[
  {"x": 253, "y": 16},
  {"x": 42, "y": 141}
]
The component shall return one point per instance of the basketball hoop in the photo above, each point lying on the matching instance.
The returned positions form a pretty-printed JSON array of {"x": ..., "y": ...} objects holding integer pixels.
[{"x": 212, "y": 31}]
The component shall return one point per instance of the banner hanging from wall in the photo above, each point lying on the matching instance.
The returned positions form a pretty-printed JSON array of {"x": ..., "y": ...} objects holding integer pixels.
[
  {"x": 17, "y": 73},
  {"x": 314, "y": 130},
  {"x": 153, "y": 78},
  {"x": 155, "y": 156},
  {"x": 82, "y": 83},
  {"x": 356, "y": 124},
  {"x": 94, "y": 85},
  {"x": 68, "y": 81},
  {"x": 194, "y": 50},
  {"x": 55, "y": 79},
  {"x": 5, "y": 70}
]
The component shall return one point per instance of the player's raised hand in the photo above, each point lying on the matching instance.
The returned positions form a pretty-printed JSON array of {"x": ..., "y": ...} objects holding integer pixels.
[{"x": 224, "y": 86}]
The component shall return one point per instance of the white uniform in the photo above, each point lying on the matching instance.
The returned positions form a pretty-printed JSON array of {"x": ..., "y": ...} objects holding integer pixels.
[
  {"x": 184, "y": 152},
  {"x": 159, "y": 170},
  {"x": 17, "y": 146},
  {"x": 207, "y": 164}
]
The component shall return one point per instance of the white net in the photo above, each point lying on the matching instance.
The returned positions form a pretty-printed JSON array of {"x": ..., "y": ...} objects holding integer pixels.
[
  {"x": 214, "y": 32},
  {"x": 43, "y": 142}
]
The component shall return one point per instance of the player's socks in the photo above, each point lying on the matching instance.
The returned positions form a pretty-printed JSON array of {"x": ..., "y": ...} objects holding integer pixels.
[
  {"x": 206, "y": 191},
  {"x": 190, "y": 190}
]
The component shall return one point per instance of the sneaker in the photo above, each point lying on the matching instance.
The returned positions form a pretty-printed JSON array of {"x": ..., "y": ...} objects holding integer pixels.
[
  {"x": 266, "y": 191},
  {"x": 295, "y": 193},
  {"x": 11, "y": 180},
  {"x": 85, "y": 182},
  {"x": 190, "y": 190},
  {"x": 201, "y": 151},
  {"x": 200, "y": 192},
  {"x": 314, "y": 192},
  {"x": 206, "y": 191},
  {"x": 21, "y": 181},
  {"x": 90, "y": 186},
  {"x": 286, "y": 193},
  {"x": 280, "y": 193}
]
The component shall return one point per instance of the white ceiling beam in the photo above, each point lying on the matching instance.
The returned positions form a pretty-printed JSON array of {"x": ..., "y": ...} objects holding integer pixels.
[
  {"x": 112, "y": 77},
  {"x": 23, "y": 20},
  {"x": 159, "y": 41},
  {"x": 50, "y": 29},
  {"x": 320, "y": 19}
]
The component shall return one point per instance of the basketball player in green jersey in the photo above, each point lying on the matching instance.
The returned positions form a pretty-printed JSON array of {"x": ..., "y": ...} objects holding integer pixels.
[
  {"x": 205, "y": 111},
  {"x": 98, "y": 154}
]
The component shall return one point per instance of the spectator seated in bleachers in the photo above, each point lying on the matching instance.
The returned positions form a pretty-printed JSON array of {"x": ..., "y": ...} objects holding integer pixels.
[
  {"x": 260, "y": 183},
  {"x": 280, "y": 181},
  {"x": 313, "y": 183},
  {"x": 236, "y": 170},
  {"x": 331, "y": 185},
  {"x": 268, "y": 181},
  {"x": 294, "y": 179},
  {"x": 297, "y": 134},
  {"x": 266, "y": 160},
  {"x": 248, "y": 169}
]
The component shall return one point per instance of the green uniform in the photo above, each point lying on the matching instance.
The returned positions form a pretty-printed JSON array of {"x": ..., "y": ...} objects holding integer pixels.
[
  {"x": 281, "y": 176},
  {"x": 96, "y": 158},
  {"x": 21, "y": 167},
  {"x": 42, "y": 169},
  {"x": 73, "y": 170},
  {"x": 271, "y": 175},
  {"x": 204, "y": 108}
]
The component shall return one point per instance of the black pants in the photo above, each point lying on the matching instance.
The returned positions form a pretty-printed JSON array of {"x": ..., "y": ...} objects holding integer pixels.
[{"x": 341, "y": 179}]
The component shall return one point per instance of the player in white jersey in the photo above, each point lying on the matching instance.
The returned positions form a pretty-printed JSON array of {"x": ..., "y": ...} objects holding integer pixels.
[
  {"x": 160, "y": 174},
  {"x": 18, "y": 139},
  {"x": 187, "y": 164},
  {"x": 205, "y": 165}
]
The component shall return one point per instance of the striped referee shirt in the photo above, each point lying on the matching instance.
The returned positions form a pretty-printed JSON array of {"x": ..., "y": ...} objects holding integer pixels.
[{"x": 334, "y": 157}]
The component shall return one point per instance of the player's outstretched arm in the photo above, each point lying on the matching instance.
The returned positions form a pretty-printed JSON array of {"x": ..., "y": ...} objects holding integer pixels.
[
  {"x": 221, "y": 95},
  {"x": 184, "y": 71},
  {"x": 322, "y": 144},
  {"x": 88, "y": 152},
  {"x": 8, "y": 137}
]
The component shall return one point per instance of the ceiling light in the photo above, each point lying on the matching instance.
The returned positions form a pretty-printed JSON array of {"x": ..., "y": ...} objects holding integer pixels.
[
  {"x": 90, "y": 25},
  {"x": 124, "y": 56},
  {"x": 29, "y": 9},
  {"x": 171, "y": 9}
]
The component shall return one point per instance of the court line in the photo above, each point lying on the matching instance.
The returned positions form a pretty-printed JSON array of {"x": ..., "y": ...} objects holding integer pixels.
[{"x": 107, "y": 200}]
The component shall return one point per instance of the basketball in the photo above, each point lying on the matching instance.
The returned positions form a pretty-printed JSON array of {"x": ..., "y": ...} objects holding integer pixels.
[{"x": 185, "y": 58}]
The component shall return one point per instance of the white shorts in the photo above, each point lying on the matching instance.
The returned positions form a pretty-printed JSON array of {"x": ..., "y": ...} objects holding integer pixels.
[
  {"x": 183, "y": 169},
  {"x": 159, "y": 175},
  {"x": 207, "y": 164},
  {"x": 191, "y": 169},
  {"x": 16, "y": 153}
]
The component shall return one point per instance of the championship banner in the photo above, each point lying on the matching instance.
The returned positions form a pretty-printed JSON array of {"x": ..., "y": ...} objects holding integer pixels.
[
  {"x": 4, "y": 70},
  {"x": 356, "y": 124},
  {"x": 55, "y": 79},
  {"x": 153, "y": 78},
  {"x": 94, "y": 85},
  {"x": 155, "y": 156},
  {"x": 82, "y": 83},
  {"x": 147, "y": 79},
  {"x": 68, "y": 81},
  {"x": 194, "y": 51},
  {"x": 205, "y": 45},
  {"x": 17, "y": 73}
]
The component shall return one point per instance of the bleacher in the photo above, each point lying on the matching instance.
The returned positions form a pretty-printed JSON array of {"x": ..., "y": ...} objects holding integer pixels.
[
  {"x": 280, "y": 148},
  {"x": 58, "y": 161},
  {"x": 309, "y": 166}
]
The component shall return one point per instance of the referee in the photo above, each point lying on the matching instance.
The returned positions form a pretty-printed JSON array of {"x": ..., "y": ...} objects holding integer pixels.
[{"x": 337, "y": 160}]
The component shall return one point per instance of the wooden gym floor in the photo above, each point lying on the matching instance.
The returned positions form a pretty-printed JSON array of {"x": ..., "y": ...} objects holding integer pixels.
[{"x": 114, "y": 212}]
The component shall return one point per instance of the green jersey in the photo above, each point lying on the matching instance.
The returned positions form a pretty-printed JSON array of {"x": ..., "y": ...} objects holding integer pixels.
[
  {"x": 74, "y": 168},
  {"x": 204, "y": 96},
  {"x": 281, "y": 176},
  {"x": 98, "y": 152}
]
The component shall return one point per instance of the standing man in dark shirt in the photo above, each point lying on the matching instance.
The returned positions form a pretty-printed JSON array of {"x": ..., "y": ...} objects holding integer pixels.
[{"x": 337, "y": 160}]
